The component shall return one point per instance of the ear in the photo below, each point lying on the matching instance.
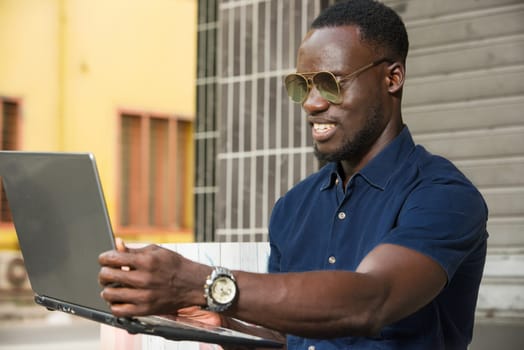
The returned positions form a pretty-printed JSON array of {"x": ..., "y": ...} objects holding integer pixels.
[{"x": 395, "y": 77}]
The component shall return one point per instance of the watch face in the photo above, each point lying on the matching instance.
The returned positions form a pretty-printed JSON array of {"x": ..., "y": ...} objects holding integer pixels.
[{"x": 223, "y": 290}]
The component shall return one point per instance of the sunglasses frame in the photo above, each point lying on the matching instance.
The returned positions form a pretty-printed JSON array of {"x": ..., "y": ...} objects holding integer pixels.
[{"x": 309, "y": 77}]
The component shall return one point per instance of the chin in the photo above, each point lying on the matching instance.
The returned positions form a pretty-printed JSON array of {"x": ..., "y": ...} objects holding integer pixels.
[
  {"x": 337, "y": 155},
  {"x": 325, "y": 157}
]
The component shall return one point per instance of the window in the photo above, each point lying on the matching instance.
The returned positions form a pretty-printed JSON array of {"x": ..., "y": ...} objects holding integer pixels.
[
  {"x": 9, "y": 131},
  {"x": 156, "y": 172}
]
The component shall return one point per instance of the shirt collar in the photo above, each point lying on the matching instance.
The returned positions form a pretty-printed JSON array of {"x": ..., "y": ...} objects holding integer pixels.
[
  {"x": 380, "y": 169},
  {"x": 333, "y": 178}
]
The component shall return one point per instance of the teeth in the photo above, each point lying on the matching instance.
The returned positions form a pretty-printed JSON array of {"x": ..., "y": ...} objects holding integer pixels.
[{"x": 322, "y": 127}]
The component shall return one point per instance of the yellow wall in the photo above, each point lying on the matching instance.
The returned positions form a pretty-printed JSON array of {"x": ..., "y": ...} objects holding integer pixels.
[
  {"x": 74, "y": 64},
  {"x": 29, "y": 66}
]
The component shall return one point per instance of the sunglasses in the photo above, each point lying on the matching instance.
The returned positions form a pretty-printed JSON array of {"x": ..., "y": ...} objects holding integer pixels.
[{"x": 298, "y": 85}]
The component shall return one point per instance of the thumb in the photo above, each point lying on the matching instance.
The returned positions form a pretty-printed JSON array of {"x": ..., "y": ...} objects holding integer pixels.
[{"x": 120, "y": 246}]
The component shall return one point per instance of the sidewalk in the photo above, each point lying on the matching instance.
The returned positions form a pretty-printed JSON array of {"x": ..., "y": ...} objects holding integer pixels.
[{"x": 28, "y": 327}]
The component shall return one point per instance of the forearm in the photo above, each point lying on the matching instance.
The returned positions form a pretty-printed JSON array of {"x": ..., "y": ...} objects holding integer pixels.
[
  {"x": 391, "y": 283},
  {"x": 313, "y": 304}
]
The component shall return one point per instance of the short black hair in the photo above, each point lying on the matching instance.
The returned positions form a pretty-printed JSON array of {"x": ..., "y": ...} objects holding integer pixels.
[{"x": 380, "y": 26}]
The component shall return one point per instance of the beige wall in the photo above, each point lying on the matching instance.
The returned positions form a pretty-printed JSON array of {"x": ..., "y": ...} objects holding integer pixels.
[
  {"x": 29, "y": 66},
  {"x": 124, "y": 54},
  {"x": 74, "y": 64}
]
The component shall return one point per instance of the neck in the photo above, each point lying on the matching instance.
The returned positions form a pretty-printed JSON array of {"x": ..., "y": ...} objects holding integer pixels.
[{"x": 349, "y": 167}]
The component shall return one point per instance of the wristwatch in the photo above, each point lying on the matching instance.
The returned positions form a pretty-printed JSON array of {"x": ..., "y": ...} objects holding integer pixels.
[{"x": 220, "y": 289}]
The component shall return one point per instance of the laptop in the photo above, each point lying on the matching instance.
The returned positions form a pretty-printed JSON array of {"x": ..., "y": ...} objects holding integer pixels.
[{"x": 62, "y": 224}]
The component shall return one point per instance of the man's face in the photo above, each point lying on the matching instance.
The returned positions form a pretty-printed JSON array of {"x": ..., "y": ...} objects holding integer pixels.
[{"x": 345, "y": 131}]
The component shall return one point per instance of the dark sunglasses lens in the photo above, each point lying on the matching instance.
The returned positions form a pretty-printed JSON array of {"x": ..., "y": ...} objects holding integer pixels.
[
  {"x": 327, "y": 86},
  {"x": 296, "y": 86}
]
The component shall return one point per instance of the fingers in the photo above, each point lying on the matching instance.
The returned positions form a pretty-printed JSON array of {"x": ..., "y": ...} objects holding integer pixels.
[
  {"x": 196, "y": 313},
  {"x": 126, "y": 308},
  {"x": 188, "y": 311},
  {"x": 120, "y": 246},
  {"x": 125, "y": 256},
  {"x": 117, "y": 259},
  {"x": 125, "y": 302},
  {"x": 125, "y": 277},
  {"x": 109, "y": 276},
  {"x": 109, "y": 258},
  {"x": 150, "y": 280},
  {"x": 131, "y": 267}
]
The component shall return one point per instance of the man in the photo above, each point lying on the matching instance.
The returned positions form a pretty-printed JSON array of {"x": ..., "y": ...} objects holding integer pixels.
[{"x": 382, "y": 248}]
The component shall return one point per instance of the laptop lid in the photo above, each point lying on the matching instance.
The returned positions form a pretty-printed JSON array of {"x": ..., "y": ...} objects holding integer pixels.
[{"x": 61, "y": 222}]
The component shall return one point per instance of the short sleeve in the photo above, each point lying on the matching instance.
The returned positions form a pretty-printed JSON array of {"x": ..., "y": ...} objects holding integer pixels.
[
  {"x": 445, "y": 220},
  {"x": 274, "y": 254}
]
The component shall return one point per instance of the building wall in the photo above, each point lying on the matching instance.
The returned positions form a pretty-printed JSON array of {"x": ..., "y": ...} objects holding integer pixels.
[
  {"x": 74, "y": 65},
  {"x": 29, "y": 66},
  {"x": 206, "y": 127}
]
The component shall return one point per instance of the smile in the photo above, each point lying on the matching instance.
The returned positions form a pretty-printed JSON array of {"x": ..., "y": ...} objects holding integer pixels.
[
  {"x": 322, "y": 132},
  {"x": 322, "y": 128}
]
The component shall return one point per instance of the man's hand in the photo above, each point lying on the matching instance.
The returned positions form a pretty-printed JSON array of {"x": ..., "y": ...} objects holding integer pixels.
[
  {"x": 150, "y": 281},
  {"x": 197, "y": 314}
]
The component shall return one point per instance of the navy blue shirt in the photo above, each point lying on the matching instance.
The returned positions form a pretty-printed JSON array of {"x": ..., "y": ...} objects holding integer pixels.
[{"x": 404, "y": 196}]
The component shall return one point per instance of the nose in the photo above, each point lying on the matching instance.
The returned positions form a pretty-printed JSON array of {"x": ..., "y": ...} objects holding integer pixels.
[{"x": 314, "y": 102}]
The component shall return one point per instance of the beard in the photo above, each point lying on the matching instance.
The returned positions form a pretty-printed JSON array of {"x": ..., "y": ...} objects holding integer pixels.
[{"x": 353, "y": 149}]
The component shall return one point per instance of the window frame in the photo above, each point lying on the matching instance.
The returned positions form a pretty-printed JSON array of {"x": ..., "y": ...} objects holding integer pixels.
[
  {"x": 15, "y": 142},
  {"x": 177, "y": 210}
]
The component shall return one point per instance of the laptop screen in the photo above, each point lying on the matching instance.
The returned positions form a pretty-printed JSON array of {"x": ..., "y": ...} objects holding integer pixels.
[{"x": 61, "y": 222}]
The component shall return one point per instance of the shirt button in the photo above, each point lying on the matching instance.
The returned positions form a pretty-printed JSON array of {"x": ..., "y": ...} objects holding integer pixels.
[
  {"x": 332, "y": 259},
  {"x": 311, "y": 347},
  {"x": 341, "y": 215}
]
